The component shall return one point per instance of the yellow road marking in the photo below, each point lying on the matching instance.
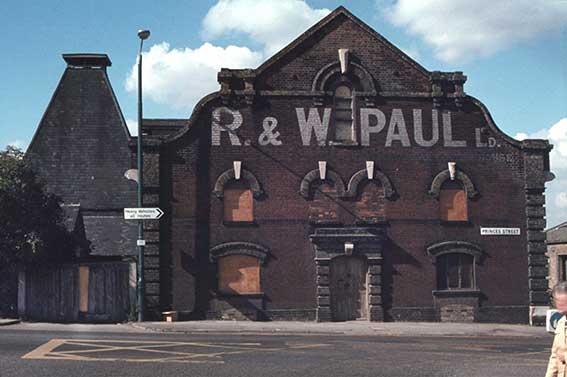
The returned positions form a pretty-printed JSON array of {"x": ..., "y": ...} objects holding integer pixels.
[{"x": 97, "y": 347}]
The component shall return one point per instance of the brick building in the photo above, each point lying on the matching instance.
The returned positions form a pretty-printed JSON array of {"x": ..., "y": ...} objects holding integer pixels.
[
  {"x": 342, "y": 180},
  {"x": 556, "y": 240}
]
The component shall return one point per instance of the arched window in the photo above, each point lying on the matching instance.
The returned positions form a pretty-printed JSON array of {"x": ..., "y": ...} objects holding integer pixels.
[
  {"x": 370, "y": 206},
  {"x": 239, "y": 267},
  {"x": 455, "y": 262},
  {"x": 239, "y": 274},
  {"x": 323, "y": 207},
  {"x": 453, "y": 193},
  {"x": 453, "y": 201},
  {"x": 238, "y": 194},
  {"x": 238, "y": 202},
  {"x": 343, "y": 114},
  {"x": 455, "y": 271}
]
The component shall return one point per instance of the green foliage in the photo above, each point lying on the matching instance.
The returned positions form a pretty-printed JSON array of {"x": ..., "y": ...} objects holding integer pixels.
[{"x": 30, "y": 218}]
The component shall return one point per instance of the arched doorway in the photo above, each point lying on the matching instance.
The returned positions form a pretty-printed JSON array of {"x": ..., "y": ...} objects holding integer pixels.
[{"x": 348, "y": 288}]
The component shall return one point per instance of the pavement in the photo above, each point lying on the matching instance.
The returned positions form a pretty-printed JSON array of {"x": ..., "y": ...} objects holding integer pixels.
[
  {"x": 350, "y": 328},
  {"x": 8, "y": 321}
]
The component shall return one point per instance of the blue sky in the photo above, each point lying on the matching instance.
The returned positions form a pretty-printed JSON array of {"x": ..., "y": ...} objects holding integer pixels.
[{"x": 514, "y": 53}]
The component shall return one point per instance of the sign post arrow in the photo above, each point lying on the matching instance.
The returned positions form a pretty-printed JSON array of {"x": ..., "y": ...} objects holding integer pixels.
[{"x": 143, "y": 213}]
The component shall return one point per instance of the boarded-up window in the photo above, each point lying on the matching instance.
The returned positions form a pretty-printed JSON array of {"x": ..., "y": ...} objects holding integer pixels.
[
  {"x": 238, "y": 203},
  {"x": 370, "y": 204},
  {"x": 455, "y": 271},
  {"x": 239, "y": 274},
  {"x": 323, "y": 206},
  {"x": 344, "y": 125},
  {"x": 453, "y": 202}
]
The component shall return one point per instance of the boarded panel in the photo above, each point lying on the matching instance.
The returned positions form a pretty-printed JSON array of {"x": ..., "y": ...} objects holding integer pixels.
[
  {"x": 453, "y": 205},
  {"x": 239, "y": 274},
  {"x": 238, "y": 204},
  {"x": 84, "y": 288},
  {"x": 98, "y": 290}
]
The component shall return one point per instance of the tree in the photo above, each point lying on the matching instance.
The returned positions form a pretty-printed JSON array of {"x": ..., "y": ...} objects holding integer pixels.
[{"x": 31, "y": 228}]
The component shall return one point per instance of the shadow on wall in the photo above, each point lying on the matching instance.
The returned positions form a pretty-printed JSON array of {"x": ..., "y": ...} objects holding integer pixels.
[
  {"x": 393, "y": 255},
  {"x": 202, "y": 223}
]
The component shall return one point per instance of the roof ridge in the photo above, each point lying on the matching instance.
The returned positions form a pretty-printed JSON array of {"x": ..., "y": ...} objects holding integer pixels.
[{"x": 341, "y": 10}]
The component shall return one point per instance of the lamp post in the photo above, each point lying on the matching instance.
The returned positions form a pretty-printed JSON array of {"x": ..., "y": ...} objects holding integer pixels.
[{"x": 143, "y": 35}]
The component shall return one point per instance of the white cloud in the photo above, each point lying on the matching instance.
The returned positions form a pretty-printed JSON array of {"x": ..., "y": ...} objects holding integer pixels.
[
  {"x": 561, "y": 200},
  {"x": 412, "y": 51},
  {"x": 463, "y": 29},
  {"x": 271, "y": 23},
  {"x": 132, "y": 125},
  {"x": 556, "y": 191},
  {"x": 20, "y": 144},
  {"x": 181, "y": 77}
]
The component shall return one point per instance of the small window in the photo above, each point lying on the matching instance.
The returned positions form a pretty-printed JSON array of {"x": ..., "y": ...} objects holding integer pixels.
[
  {"x": 453, "y": 202},
  {"x": 455, "y": 271},
  {"x": 239, "y": 274},
  {"x": 238, "y": 203},
  {"x": 562, "y": 267},
  {"x": 343, "y": 115}
]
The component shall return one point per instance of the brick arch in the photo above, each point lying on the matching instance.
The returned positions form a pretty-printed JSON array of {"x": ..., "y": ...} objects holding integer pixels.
[
  {"x": 245, "y": 175},
  {"x": 459, "y": 175},
  {"x": 450, "y": 247},
  {"x": 313, "y": 176},
  {"x": 240, "y": 248},
  {"x": 357, "y": 73},
  {"x": 362, "y": 175}
]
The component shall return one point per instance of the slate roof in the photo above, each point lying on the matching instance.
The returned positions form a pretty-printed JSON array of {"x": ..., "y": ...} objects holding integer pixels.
[
  {"x": 80, "y": 148},
  {"x": 162, "y": 128},
  {"x": 557, "y": 234},
  {"x": 81, "y": 151},
  {"x": 110, "y": 235}
]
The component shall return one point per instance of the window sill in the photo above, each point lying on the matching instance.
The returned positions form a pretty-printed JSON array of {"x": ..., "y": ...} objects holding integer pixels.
[
  {"x": 465, "y": 292},
  {"x": 455, "y": 222},
  {"x": 319, "y": 222},
  {"x": 371, "y": 222},
  {"x": 236, "y": 224},
  {"x": 344, "y": 144},
  {"x": 241, "y": 295}
]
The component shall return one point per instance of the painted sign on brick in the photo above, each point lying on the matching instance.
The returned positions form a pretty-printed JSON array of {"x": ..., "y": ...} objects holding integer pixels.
[{"x": 313, "y": 127}]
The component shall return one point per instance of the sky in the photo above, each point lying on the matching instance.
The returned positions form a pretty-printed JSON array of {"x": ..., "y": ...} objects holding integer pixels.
[{"x": 514, "y": 53}]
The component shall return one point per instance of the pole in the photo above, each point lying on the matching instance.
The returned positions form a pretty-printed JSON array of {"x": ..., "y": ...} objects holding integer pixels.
[{"x": 140, "y": 202}]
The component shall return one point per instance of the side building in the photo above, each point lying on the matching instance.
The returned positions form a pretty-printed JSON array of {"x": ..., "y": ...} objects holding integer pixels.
[
  {"x": 556, "y": 239},
  {"x": 81, "y": 150}
]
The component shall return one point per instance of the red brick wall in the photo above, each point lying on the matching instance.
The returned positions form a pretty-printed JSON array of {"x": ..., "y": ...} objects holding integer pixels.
[{"x": 190, "y": 167}]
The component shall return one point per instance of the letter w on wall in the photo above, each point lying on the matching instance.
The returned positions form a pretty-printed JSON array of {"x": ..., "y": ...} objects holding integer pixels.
[{"x": 313, "y": 122}]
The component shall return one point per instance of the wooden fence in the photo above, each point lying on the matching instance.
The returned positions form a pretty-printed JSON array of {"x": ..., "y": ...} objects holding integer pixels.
[
  {"x": 91, "y": 292},
  {"x": 8, "y": 291}
]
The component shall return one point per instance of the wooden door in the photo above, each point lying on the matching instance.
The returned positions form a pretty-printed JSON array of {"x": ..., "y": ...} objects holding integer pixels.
[{"x": 348, "y": 288}]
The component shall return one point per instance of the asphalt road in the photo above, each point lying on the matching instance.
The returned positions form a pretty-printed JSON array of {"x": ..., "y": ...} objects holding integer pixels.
[{"x": 42, "y": 353}]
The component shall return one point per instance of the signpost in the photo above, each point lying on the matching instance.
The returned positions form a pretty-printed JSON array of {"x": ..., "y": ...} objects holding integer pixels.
[{"x": 143, "y": 213}]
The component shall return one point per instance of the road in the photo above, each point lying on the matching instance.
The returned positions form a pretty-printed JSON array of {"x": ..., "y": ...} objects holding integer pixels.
[{"x": 75, "y": 354}]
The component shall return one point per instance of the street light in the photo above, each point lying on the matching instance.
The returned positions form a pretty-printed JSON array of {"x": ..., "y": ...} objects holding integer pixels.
[{"x": 143, "y": 35}]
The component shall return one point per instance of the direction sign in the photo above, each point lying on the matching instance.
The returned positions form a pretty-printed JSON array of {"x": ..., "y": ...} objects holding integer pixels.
[{"x": 142, "y": 213}]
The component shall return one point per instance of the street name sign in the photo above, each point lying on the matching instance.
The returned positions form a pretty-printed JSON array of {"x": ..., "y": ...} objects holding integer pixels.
[
  {"x": 499, "y": 231},
  {"x": 143, "y": 213}
]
